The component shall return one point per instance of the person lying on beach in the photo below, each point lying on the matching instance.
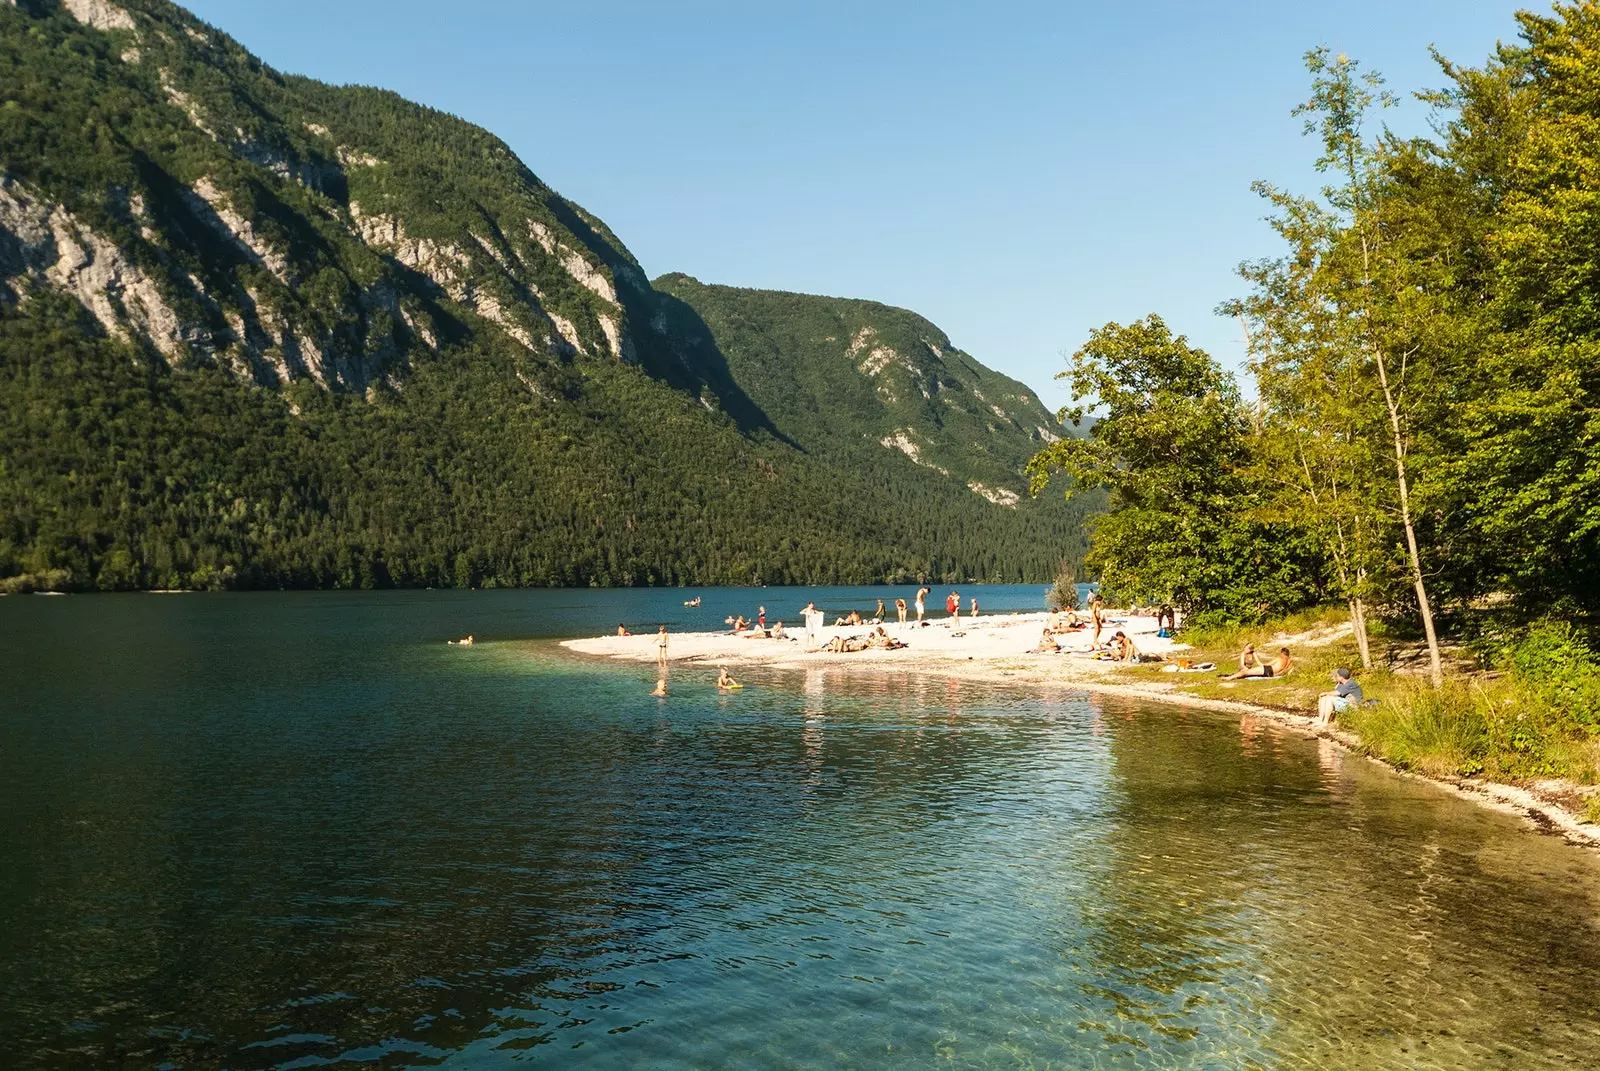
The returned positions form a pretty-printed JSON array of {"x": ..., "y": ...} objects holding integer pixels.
[
  {"x": 1047, "y": 644},
  {"x": 756, "y": 634},
  {"x": 882, "y": 641},
  {"x": 724, "y": 681},
  {"x": 842, "y": 645},
  {"x": 621, "y": 631},
  {"x": 852, "y": 618},
  {"x": 460, "y": 643},
  {"x": 1278, "y": 667}
]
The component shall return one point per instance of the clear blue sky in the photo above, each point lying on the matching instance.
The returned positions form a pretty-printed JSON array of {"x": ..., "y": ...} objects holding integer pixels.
[{"x": 1018, "y": 172}]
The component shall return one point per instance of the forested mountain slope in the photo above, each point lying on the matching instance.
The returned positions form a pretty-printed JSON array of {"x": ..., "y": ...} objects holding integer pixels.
[{"x": 259, "y": 330}]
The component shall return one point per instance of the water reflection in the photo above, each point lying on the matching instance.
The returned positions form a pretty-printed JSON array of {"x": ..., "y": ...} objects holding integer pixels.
[{"x": 415, "y": 854}]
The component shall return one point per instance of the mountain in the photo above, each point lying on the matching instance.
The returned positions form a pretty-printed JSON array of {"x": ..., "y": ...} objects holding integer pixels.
[
  {"x": 848, "y": 379},
  {"x": 256, "y": 330}
]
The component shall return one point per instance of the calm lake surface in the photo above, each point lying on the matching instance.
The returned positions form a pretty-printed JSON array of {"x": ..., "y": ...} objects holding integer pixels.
[{"x": 298, "y": 830}]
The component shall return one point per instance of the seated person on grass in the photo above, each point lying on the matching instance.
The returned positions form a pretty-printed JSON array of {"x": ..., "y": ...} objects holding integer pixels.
[
  {"x": 1278, "y": 667},
  {"x": 1346, "y": 694}
]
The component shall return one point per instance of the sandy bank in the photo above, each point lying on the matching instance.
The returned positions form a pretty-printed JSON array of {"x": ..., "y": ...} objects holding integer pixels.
[{"x": 996, "y": 649}]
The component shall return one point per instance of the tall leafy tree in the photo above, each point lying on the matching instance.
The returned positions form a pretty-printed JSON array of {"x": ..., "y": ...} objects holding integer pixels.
[
  {"x": 1346, "y": 330},
  {"x": 1169, "y": 440}
]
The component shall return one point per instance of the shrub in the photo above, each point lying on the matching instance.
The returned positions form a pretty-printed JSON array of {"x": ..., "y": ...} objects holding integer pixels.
[{"x": 1063, "y": 594}]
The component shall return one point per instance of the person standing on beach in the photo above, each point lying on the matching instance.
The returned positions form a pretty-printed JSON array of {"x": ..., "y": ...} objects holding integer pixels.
[
  {"x": 813, "y": 618},
  {"x": 661, "y": 647},
  {"x": 952, "y": 603},
  {"x": 900, "y": 609},
  {"x": 974, "y": 606},
  {"x": 1097, "y": 612},
  {"x": 922, "y": 606},
  {"x": 761, "y": 617}
]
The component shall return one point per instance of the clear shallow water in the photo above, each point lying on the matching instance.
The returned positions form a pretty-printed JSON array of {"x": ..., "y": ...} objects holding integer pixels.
[{"x": 276, "y": 831}]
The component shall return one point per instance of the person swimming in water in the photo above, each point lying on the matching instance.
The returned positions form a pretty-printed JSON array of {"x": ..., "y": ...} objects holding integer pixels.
[{"x": 724, "y": 681}]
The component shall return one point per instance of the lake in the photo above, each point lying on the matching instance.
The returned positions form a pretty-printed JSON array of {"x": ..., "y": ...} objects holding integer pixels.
[{"x": 299, "y": 830}]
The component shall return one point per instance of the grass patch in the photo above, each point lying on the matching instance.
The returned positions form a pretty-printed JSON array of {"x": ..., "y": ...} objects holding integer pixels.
[{"x": 1530, "y": 709}]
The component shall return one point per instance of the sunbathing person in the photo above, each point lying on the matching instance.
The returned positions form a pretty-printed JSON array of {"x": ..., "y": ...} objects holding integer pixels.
[
  {"x": 623, "y": 631},
  {"x": 1047, "y": 644},
  {"x": 1247, "y": 658},
  {"x": 880, "y": 640},
  {"x": 778, "y": 633},
  {"x": 1278, "y": 667},
  {"x": 1124, "y": 648},
  {"x": 740, "y": 624},
  {"x": 842, "y": 645}
]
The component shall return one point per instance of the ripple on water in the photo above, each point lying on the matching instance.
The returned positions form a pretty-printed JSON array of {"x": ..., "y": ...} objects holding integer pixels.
[{"x": 402, "y": 857}]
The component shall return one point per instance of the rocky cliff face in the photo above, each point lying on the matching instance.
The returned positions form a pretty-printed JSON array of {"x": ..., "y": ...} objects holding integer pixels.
[{"x": 282, "y": 228}]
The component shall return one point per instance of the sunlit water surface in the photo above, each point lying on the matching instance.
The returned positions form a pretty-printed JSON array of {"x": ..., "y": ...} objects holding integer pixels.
[{"x": 290, "y": 831}]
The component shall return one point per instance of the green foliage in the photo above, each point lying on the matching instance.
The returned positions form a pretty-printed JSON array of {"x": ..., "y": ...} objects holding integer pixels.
[
  {"x": 1171, "y": 442},
  {"x": 1540, "y": 717},
  {"x": 1063, "y": 594}
]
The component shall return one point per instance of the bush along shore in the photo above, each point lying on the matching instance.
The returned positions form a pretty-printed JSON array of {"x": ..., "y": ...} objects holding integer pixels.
[{"x": 1414, "y": 441}]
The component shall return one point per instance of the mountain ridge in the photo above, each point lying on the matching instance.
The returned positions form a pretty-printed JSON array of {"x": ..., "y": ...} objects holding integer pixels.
[{"x": 191, "y": 232}]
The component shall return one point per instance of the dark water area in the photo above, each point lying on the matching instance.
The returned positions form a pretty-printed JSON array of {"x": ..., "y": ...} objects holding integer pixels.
[{"x": 298, "y": 830}]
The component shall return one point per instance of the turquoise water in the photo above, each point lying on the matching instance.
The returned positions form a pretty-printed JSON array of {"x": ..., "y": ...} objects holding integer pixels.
[{"x": 293, "y": 831}]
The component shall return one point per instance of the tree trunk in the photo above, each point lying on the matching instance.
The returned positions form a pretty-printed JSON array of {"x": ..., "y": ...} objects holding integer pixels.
[
  {"x": 1358, "y": 621},
  {"x": 1436, "y": 669}
]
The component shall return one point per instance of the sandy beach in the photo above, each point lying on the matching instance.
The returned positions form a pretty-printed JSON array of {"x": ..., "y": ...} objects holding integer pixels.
[
  {"x": 940, "y": 644},
  {"x": 997, "y": 649}
]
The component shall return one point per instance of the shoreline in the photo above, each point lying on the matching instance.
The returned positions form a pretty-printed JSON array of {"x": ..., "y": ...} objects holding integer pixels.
[{"x": 994, "y": 649}]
